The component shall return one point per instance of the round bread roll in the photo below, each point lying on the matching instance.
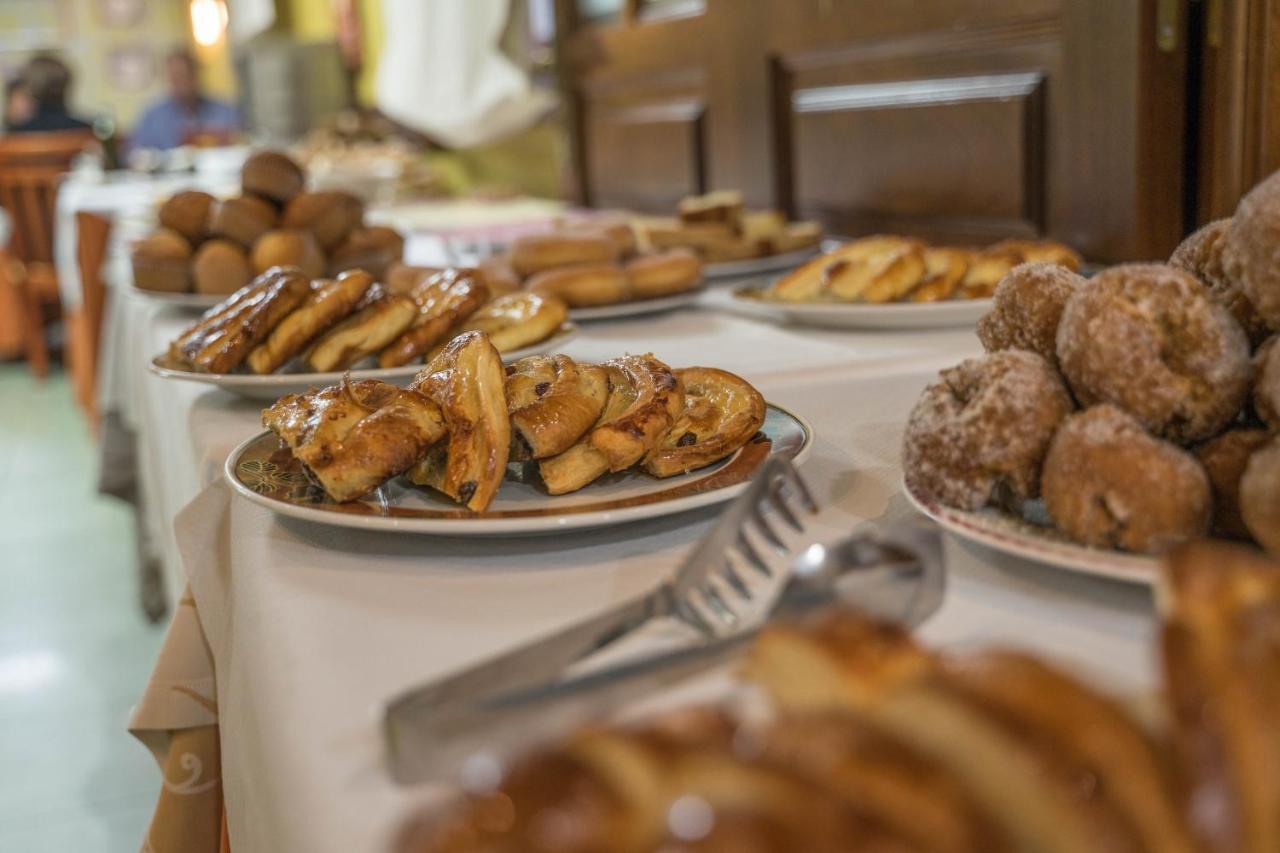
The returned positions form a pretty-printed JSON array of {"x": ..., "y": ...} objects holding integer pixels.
[
  {"x": 584, "y": 285},
  {"x": 243, "y": 219},
  {"x": 221, "y": 267},
  {"x": 1260, "y": 496},
  {"x": 373, "y": 249},
  {"x": 977, "y": 436},
  {"x": 1266, "y": 382},
  {"x": 288, "y": 248},
  {"x": 188, "y": 213},
  {"x": 1224, "y": 459},
  {"x": 664, "y": 273},
  {"x": 1252, "y": 253},
  {"x": 537, "y": 252},
  {"x": 161, "y": 261},
  {"x": 1110, "y": 484},
  {"x": 272, "y": 175},
  {"x": 330, "y": 216},
  {"x": 1149, "y": 339},
  {"x": 499, "y": 275},
  {"x": 1028, "y": 306},
  {"x": 613, "y": 227},
  {"x": 1203, "y": 255}
]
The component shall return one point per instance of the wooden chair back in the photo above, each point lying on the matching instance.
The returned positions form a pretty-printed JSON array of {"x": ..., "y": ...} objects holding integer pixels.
[{"x": 30, "y": 167}]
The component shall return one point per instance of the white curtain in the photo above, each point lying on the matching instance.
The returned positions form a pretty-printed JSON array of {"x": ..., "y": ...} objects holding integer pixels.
[
  {"x": 247, "y": 18},
  {"x": 441, "y": 72}
]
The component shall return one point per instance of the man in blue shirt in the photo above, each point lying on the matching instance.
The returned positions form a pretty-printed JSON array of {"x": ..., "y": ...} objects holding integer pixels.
[{"x": 186, "y": 115}]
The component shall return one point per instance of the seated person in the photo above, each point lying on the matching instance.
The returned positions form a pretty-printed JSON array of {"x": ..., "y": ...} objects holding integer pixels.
[
  {"x": 186, "y": 113},
  {"x": 18, "y": 104},
  {"x": 47, "y": 80}
]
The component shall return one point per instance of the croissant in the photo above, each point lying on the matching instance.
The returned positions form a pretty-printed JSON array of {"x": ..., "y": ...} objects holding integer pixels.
[
  {"x": 221, "y": 340},
  {"x": 326, "y": 304}
]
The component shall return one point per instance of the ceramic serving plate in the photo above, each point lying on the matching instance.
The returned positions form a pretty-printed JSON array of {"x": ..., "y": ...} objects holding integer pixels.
[
  {"x": 272, "y": 386},
  {"x": 634, "y": 308},
  {"x": 263, "y": 472},
  {"x": 752, "y": 267},
  {"x": 1029, "y": 540},
  {"x": 861, "y": 315}
]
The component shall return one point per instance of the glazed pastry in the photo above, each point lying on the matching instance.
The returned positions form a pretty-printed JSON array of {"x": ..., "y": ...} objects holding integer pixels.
[
  {"x": 330, "y": 216},
  {"x": 288, "y": 248},
  {"x": 537, "y": 252},
  {"x": 187, "y": 213},
  {"x": 326, "y": 304},
  {"x": 500, "y": 275},
  {"x": 705, "y": 238},
  {"x": 723, "y": 206},
  {"x": 161, "y": 262},
  {"x": 1250, "y": 251},
  {"x": 721, "y": 413},
  {"x": 663, "y": 273},
  {"x": 873, "y": 269},
  {"x": 213, "y": 316},
  {"x": 242, "y": 219},
  {"x": 374, "y": 249},
  {"x": 221, "y": 266},
  {"x": 1203, "y": 255},
  {"x": 1221, "y": 656},
  {"x": 223, "y": 338},
  {"x": 583, "y": 286},
  {"x": 552, "y": 402},
  {"x": 644, "y": 400},
  {"x": 1260, "y": 496},
  {"x": 796, "y": 236},
  {"x": 518, "y": 320},
  {"x": 354, "y": 436},
  {"x": 944, "y": 269},
  {"x": 986, "y": 268},
  {"x": 978, "y": 435},
  {"x": 613, "y": 227},
  {"x": 272, "y": 175},
  {"x": 466, "y": 380},
  {"x": 1040, "y": 252},
  {"x": 1028, "y": 307},
  {"x": 444, "y": 301},
  {"x": 1266, "y": 383},
  {"x": 404, "y": 278},
  {"x": 378, "y": 322},
  {"x": 1149, "y": 339},
  {"x": 1224, "y": 459},
  {"x": 1109, "y": 484}
]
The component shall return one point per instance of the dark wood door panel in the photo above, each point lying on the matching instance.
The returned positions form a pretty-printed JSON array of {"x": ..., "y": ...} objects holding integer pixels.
[{"x": 644, "y": 155}]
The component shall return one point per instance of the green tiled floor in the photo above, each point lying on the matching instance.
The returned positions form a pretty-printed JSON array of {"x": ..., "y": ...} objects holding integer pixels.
[{"x": 75, "y": 650}]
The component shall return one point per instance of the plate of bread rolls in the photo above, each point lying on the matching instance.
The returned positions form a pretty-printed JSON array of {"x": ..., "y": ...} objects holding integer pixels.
[
  {"x": 205, "y": 249},
  {"x": 891, "y": 282},
  {"x": 284, "y": 332},
  {"x": 541, "y": 445}
]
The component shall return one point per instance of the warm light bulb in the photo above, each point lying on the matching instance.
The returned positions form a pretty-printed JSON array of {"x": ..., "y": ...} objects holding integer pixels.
[{"x": 208, "y": 21}]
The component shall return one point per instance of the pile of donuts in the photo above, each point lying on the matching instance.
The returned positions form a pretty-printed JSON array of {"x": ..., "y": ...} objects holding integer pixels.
[
  {"x": 208, "y": 246},
  {"x": 595, "y": 261},
  {"x": 1142, "y": 405}
]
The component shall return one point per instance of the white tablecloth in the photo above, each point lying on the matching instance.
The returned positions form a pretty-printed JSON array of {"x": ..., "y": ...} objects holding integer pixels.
[{"x": 312, "y": 629}]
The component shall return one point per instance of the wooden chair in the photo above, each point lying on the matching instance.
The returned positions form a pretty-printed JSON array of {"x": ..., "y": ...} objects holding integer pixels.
[
  {"x": 30, "y": 166},
  {"x": 84, "y": 327}
]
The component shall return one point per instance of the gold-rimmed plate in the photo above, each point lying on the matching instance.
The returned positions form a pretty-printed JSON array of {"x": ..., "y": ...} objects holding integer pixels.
[{"x": 263, "y": 472}]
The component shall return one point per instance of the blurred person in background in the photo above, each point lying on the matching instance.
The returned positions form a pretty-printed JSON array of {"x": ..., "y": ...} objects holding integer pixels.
[
  {"x": 47, "y": 80},
  {"x": 19, "y": 106},
  {"x": 186, "y": 115}
]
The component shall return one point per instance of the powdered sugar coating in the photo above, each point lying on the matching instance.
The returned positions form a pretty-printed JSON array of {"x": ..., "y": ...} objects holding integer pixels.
[
  {"x": 1224, "y": 459},
  {"x": 1252, "y": 252},
  {"x": 1028, "y": 306},
  {"x": 1148, "y": 338},
  {"x": 1110, "y": 484},
  {"x": 1266, "y": 382},
  {"x": 1260, "y": 496},
  {"x": 983, "y": 429},
  {"x": 1202, "y": 255}
]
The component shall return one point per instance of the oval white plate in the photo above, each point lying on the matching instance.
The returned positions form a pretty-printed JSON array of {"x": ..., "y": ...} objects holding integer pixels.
[
  {"x": 272, "y": 386},
  {"x": 192, "y": 301},
  {"x": 751, "y": 267},
  {"x": 636, "y": 307},
  {"x": 261, "y": 472},
  {"x": 1021, "y": 538},
  {"x": 861, "y": 315}
]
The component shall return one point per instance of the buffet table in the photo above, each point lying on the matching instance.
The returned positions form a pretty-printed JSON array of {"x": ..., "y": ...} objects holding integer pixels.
[{"x": 297, "y": 634}]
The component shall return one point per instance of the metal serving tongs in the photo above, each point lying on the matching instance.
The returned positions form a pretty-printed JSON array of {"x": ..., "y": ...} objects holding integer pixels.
[{"x": 741, "y": 573}]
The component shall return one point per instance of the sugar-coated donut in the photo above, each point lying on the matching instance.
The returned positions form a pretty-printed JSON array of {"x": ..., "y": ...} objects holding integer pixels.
[
  {"x": 663, "y": 273},
  {"x": 534, "y": 253},
  {"x": 1266, "y": 382},
  {"x": 1203, "y": 254},
  {"x": 1149, "y": 339},
  {"x": 1224, "y": 459},
  {"x": 187, "y": 212},
  {"x": 584, "y": 285},
  {"x": 1260, "y": 495},
  {"x": 1253, "y": 249},
  {"x": 1108, "y": 483},
  {"x": 1028, "y": 306},
  {"x": 272, "y": 175},
  {"x": 978, "y": 435}
]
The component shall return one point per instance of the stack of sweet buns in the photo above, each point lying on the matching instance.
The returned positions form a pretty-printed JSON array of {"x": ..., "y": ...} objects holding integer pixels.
[
  {"x": 719, "y": 228},
  {"x": 1141, "y": 405},
  {"x": 210, "y": 246}
]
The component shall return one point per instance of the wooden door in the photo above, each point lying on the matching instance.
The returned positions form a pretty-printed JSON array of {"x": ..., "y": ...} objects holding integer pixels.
[{"x": 957, "y": 120}]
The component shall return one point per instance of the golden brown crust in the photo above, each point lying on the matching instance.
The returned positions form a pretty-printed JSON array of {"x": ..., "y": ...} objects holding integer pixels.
[
  {"x": 403, "y": 278},
  {"x": 223, "y": 338},
  {"x": 187, "y": 212},
  {"x": 501, "y": 277},
  {"x": 378, "y": 322},
  {"x": 288, "y": 248},
  {"x": 986, "y": 268},
  {"x": 537, "y": 252},
  {"x": 583, "y": 286},
  {"x": 871, "y": 269},
  {"x": 723, "y": 206},
  {"x": 518, "y": 320},
  {"x": 272, "y": 175},
  {"x": 663, "y": 273},
  {"x": 161, "y": 262},
  {"x": 326, "y": 304},
  {"x": 330, "y": 216},
  {"x": 242, "y": 219},
  {"x": 722, "y": 412},
  {"x": 444, "y": 301},
  {"x": 944, "y": 269},
  {"x": 553, "y": 401},
  {"x": 221, "y": 266},
  {"x": 1028, "y": 307},
  {"x": 1041, "y": 252}
]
